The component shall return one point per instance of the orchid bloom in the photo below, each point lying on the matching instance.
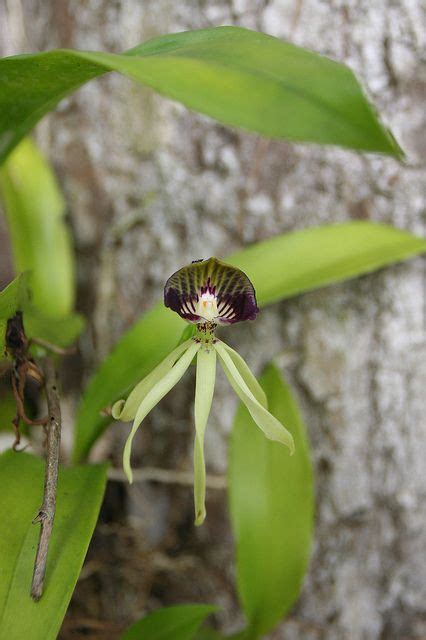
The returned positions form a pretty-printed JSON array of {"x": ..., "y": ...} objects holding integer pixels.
[{"x": 206, "y": 293}]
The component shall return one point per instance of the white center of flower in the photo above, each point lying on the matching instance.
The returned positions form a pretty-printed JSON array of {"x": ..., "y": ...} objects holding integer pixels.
[{"x": 206, "y": 307}]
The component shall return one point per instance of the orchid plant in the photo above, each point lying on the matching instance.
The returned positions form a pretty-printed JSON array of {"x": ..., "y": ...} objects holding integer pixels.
[{"x": 206, "y": 293}]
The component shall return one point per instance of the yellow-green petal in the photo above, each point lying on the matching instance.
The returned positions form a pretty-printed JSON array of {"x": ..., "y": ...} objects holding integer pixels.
[
  {"x": 271, "y": 427},
  {"x": 248, "y": 377},
  {"x": 125, "y": 410},
  {"x": 204, "y": 389},
  {"x": 154, "y": 396}
]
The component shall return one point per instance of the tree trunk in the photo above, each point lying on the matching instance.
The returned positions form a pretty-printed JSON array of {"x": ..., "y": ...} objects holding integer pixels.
[{"x": 174, "y": 186}]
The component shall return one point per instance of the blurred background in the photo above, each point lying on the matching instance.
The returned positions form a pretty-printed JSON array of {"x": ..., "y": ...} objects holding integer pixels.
[{"x": 149, "y": 187}]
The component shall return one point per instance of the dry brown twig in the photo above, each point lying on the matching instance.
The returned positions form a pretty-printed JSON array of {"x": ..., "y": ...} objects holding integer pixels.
[
  {"x": 166, "y": 476},
  {"x": 24, "y": 367},
  {"x": 46, "y": 514}
]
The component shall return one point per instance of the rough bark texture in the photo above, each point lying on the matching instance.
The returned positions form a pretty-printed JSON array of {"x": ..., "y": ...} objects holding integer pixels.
[{"x": 189, "y": 188}]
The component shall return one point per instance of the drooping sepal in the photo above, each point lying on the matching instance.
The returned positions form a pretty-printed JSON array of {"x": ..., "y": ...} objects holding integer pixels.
[
  {"x": 125, "y": 410},
  {"x": 204, "y": 388},
  {"x": 211, "y": 291},
  {"x": 153, "y": 397},
  {"x": 271, "y": 427}
]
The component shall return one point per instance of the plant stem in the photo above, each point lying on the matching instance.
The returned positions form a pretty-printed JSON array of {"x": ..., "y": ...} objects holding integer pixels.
[
  {"x": 47, "y": 510},
  {"x": 167, "y": 476}
]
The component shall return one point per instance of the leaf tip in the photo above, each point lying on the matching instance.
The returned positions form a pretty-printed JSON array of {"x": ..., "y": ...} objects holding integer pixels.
[{"x": 397, "y": 151}]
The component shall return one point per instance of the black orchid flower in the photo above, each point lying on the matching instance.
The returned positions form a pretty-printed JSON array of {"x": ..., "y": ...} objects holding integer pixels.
[{"x": 206, "y": 293}]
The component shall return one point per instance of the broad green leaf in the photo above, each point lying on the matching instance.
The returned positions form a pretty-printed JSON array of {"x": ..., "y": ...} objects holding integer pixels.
[
  {"x": 61, "y": 332},
  {"x": 210, "y": 634},
  {"x": 271, "y": 506},
  {"x": 35, "y": 211},
  {"x": 281, "y": 267},
  {"x": 296, "y": 262},
  {"x": 180, "y": 622},
  {"x": 16, "y": 297},
  {"x": 41, "y": 246},
  {"x": 241, "y": 78},
  {"x": 80, "y": 491}
]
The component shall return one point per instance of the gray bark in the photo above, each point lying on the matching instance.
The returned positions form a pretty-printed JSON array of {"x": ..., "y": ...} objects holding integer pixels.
[{"x": 354, "y": 353}]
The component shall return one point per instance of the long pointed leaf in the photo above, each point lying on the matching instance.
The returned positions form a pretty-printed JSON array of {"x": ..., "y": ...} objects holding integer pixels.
[
  {"x": 296, "y": 262},
  {"x": 240, "y": 77},
  {"x": 41, "y": 246},
  {"x": 80, "y": 492},
  {"x": 35, "y": 210},
  {"x": 271, "y": 505}
]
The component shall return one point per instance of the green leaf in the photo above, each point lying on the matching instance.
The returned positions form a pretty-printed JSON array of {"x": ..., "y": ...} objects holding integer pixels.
[
  {"x": 296, "y": 262},
  {"x": 79, "y": 497},
  {"x": 35, "y": 211},
  {"x": 180, "y": 622},
  {"x": 239, "y": 77},
  {"x": 61, "y": 332},
  {"x": 271, "y": 506},
  {"x": 210, "y": 634},
  {"x": 281, "y": 267},
  {"x": 41, "y": 245},
  {"x": 16, "y": 297}
]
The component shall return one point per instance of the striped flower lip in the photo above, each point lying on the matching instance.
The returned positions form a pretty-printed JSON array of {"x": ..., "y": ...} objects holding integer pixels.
[{"x": 210, "y": 291}]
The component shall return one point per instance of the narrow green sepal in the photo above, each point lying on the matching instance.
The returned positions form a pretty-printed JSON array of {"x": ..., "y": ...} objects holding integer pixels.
[
  {"x": 204, "y": 389},
  {"x": 248, "y": 377},
  {"x": 125, "y": 410},
  {"x": 154, "y": 396},
  {"x": 271, "y": 427}
]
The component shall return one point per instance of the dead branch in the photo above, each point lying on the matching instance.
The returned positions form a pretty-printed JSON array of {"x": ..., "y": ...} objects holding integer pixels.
[{"x": 47, "y": 510}]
